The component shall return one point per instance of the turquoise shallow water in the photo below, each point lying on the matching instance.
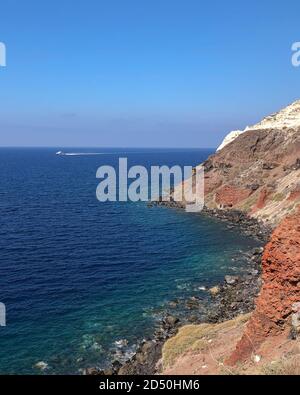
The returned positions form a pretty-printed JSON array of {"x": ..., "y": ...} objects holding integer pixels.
[{"x": 77, "y": 275}]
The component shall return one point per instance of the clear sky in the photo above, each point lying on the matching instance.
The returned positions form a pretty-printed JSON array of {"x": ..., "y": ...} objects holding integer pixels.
[{"x": 143, "y": 73}]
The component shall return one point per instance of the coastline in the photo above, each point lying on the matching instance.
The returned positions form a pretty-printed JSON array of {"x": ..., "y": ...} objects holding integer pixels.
[
  {"x": 249, "y": 226},
  {"x": 227, "y": 300}
]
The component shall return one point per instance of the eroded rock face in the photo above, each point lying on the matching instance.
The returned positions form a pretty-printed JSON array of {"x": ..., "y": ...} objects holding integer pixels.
[
  {"x": 261, "y": 202},
  {"x": 288, "y": 117},
  {"x": 260, "y": 175},
  {"x": 229, "y": 138},
  {"x": 256, "y": 174},
  {"x": 228, "y": 196},
  {"x": 280, "y": 292},
  {"x": 295, "y": 331}
]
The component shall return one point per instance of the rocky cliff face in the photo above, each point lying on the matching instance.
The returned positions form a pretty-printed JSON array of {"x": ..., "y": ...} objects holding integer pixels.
[
  {"x": 229, "y": 138},
  {"x": 259, "y": 173},
  {"x": 280, "y": 295},
  {"x": 288, "y": 117}
]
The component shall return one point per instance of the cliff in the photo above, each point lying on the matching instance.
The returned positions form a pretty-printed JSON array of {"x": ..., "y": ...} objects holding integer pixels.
[
  {"x": 257, "y": 171},
  {"x": 280, "y": 292},
  {"x": 289, "y": 117}
]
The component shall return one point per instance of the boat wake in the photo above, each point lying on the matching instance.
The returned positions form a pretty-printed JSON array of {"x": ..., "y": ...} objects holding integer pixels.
[{"x": 61, "y": 153}]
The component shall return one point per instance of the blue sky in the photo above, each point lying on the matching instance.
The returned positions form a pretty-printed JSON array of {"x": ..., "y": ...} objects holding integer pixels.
[{"x": 132, "y": 73}]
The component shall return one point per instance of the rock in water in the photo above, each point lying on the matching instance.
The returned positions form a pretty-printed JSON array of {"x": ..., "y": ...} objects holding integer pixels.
[
  {"x": 41, "y": 365},
  {"x": 230, "y": 280},
  {"x": 214, "y": 290}
]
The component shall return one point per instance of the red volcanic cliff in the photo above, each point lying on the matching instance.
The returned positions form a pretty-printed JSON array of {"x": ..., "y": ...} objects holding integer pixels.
[
  {"x": 258, "y": 173},
  {"x": 281, "y": 288},
  {"x": 228, "y": 196}
]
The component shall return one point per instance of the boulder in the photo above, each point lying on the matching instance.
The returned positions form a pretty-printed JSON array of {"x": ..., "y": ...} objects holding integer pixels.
[
  {"x": 214, "y": 290},
  {"x": 230, "y": 280}
]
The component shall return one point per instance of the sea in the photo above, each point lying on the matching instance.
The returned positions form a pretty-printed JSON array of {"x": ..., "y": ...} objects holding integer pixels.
[{"x": 81, "y": 279}]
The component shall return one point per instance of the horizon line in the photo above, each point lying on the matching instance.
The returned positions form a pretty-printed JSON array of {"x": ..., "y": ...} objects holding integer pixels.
[{"x": 97, "y": 147}]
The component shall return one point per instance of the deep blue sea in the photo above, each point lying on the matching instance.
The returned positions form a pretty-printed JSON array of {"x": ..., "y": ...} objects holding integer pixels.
[{"x": 77, "y": 275}]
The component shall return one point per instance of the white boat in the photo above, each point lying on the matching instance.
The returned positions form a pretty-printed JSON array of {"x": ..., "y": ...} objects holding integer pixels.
[{"x": 60, "y": 153}]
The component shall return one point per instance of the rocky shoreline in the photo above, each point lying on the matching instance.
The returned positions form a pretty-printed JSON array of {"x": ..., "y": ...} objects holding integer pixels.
[
  {"x": 259, "y": 172},
  {"x": 233, "y": 218},
  {"x": 225, "y": 301}
]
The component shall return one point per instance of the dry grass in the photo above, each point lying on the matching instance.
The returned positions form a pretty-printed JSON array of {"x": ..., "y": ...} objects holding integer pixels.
[
  {"x": 279, "y": 197},
  {"x": 195, "y": 338},
  {"x": 247, "y": 205},
  {"x": 286, "y": 367}
]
